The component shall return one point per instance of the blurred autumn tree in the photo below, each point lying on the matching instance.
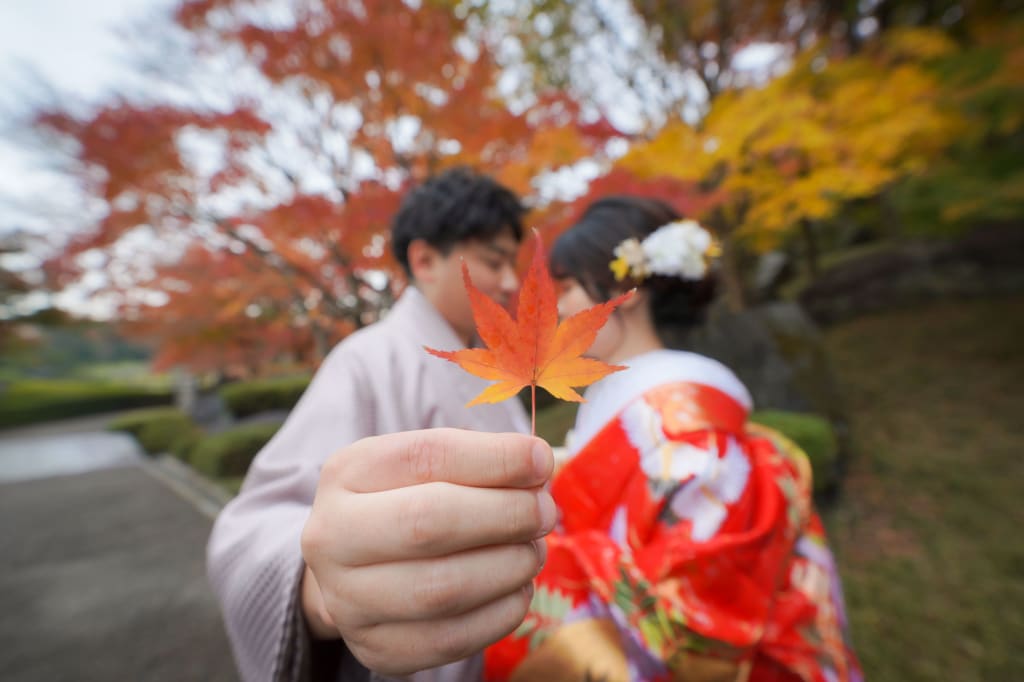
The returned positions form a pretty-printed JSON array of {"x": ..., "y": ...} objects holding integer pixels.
[
  {"x": 981, "y": 178},
  {"x": 245, "y": 205},
  {"x": 239, "y": 212},
  {"x": 789, "y": 155},
  {"x": 13, "y": 288},
  {"x": 913, "y": 103}
]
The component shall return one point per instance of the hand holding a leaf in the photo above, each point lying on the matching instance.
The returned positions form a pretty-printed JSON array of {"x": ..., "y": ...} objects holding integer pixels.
[{"x": 422, "y": 546}]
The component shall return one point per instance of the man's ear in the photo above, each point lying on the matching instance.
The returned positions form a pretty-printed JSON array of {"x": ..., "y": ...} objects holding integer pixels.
[{"x": 422, "y": 258}]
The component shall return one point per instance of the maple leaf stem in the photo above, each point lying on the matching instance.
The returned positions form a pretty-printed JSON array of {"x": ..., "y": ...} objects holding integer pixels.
[{"x": 533, "y": 409}]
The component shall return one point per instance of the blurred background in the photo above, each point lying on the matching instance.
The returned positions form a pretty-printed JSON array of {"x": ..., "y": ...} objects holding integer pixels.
[{"x": 194, "y": 208}]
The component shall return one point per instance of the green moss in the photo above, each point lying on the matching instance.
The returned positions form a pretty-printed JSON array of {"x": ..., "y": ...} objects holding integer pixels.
[{"x": 925, "y": 529}]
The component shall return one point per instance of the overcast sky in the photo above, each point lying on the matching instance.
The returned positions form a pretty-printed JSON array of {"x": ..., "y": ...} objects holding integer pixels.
[
  {"x": 72, "y": 45},
  {"x": 70, "y": 42}
]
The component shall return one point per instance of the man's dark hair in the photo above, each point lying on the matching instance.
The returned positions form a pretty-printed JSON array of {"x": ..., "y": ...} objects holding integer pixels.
[{"x": 455, "y": 206}]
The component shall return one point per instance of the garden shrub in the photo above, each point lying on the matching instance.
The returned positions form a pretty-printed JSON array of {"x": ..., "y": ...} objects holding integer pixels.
[
  {"x": 156, "y": 429},
  {"x": 230, "y": 452},
  {"x": 246, "y": 398},
  {"x": 29, "y": 401}
]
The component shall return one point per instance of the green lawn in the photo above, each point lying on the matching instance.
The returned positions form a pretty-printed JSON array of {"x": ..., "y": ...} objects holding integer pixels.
[{"x": 930, "y": 527}]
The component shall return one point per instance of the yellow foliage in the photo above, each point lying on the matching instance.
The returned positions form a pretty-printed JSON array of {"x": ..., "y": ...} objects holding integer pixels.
[
  {"x": 805, "y": 143},
  {"x": 678, "y": 151},
  {"x": 917, "y": 43}
]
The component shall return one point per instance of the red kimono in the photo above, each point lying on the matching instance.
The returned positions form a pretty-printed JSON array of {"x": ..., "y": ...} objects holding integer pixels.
[{"x": 687, "y": 549}]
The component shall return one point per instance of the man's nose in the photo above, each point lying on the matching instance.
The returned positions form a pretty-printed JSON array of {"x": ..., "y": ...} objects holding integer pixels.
[{"x": 509, "y": 280}]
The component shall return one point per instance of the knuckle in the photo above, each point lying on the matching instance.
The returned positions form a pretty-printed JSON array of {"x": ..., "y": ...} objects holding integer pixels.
[
  {"x": 507, "y": 459},
  {"x": 522, "y": 514},
  {"x": 334, "y": 468},
  {"x": 520, "y": 606},
  {"x": 453, "y": 641},
  {"x": 420, "y": 457},
  {"x": 436, "y": 592},
  {"x": 419, "y": 520},
  {"x": 514, "y": 466},
  {"x": 528, "y": 560},
  {"x": 311, "y": 538},
  {"x": 363, "y": 649}
]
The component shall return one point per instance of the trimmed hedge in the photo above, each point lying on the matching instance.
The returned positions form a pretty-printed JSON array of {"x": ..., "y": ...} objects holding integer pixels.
[
  {"x": 38, "y": 400},
  {"x": 246, "y": 398},
  {"x": 160, "y": 429},
  {"x": 133, "y": 422},
  {"x": 184, "y": 442},
  {"x": 229, "y": 453},
  {"x": 814, "y": 435}
]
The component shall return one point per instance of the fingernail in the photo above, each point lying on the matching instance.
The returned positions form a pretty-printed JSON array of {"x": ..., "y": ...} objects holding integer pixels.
[
  {"x": 541, "y": 547},
  {"x": 548, "y": 513},
  {"x": 542, "y": 458}
]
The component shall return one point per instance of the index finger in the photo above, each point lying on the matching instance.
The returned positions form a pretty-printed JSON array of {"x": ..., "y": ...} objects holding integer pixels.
[{"x": 470, "y": 458}]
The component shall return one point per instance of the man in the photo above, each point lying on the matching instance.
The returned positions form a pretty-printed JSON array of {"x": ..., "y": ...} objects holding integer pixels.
[{"x": 358, "y": 542}]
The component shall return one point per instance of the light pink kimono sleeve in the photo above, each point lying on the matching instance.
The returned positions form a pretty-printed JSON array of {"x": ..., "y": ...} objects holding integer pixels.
[
  {"x": 253, "y": 557},
  {"x": 377, "y": 381}
]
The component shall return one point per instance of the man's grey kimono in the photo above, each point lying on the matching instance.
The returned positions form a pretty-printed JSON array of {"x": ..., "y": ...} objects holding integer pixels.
[{"x": 378, "y": 380}]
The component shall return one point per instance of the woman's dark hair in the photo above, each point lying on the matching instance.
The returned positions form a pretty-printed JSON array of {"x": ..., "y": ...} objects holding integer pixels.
[
  {"x": 585, "y": 252},
  {"x": 456, "y": 206}
]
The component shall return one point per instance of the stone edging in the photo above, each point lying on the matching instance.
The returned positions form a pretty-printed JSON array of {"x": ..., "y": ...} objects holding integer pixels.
[{"x": 206, "y": 496}]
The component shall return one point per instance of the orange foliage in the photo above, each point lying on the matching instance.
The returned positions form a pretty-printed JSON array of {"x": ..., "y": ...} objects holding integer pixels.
[
  {"x": 303, "y": 265},
  {"x": 533, "y": 349}
]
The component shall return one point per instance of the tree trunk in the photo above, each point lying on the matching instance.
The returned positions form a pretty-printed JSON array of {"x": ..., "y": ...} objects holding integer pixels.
[
  {"x": 732, "y": 282},
  {"x": 321, "y": 343},
  {"x": 810, "y": 247}
]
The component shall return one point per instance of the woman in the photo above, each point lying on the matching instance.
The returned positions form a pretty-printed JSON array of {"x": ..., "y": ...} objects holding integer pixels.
[{"x": 687, "y": 548}]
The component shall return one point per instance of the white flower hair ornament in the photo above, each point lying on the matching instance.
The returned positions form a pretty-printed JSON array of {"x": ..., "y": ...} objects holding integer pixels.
[{"x": 680, "y": 249}]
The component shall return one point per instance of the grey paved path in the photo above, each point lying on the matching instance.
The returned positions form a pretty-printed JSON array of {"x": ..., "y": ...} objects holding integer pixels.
[{"x": 102, "y": 572}]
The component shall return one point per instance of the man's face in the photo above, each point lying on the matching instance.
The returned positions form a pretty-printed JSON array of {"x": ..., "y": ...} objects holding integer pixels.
[
  {"x": 573, "y": 298},
  {"x": 492, "y": 267}
]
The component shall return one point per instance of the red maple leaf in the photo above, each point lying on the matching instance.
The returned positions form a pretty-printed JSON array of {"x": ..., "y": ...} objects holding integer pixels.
[{"x": 533, "y": 349}]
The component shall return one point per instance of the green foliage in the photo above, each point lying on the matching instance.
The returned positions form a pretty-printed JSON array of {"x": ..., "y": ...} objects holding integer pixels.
[
  {"x": 185, "y": 441},
  {"x": 160, "y": 429},
  {"x": 137, "y": 420},
  {"x": 62, "y": 347},
  {"x": 982, "y": 178},
  {"x": 232, "y": 484},
  {"x": 229, "y": 453},
  {"x": 36, "y": 400},
  {"x": 246, "y": 398},
  {"x": 814, "y": 435}
]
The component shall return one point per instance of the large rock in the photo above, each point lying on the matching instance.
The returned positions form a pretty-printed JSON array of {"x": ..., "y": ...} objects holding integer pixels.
[
  {"x": 777, "y": 351},
  {"x": 985, "y": 262}
]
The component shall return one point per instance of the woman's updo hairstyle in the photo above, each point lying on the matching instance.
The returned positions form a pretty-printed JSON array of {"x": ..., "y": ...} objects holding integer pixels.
[{"x": 585, "y": 251}]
